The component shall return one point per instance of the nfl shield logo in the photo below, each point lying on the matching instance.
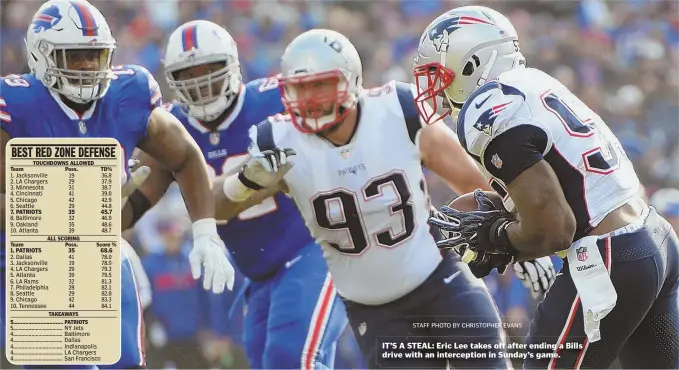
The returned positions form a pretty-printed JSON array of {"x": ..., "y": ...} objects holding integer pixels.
[
  {"x": 582, "y": 254},
  {"x": 345, "y": 153},
  {"x": 214, "y": 138},
  {"x": 496, "y": 161}
]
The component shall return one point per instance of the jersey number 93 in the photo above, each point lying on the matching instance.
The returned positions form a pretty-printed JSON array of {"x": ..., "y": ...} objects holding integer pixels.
[{"x": 350, "y": 220}]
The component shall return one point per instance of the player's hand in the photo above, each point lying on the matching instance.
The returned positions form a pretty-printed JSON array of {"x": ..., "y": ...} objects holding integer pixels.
[
  {"x": 209, "y": 254},
  {"x": 537, "y": 275},
  {"x": 483, "y": 263},
  {"x": 266, "y": 168},
  {"x": 138, "y": 174},
  {"x": 473, "y": 231}
]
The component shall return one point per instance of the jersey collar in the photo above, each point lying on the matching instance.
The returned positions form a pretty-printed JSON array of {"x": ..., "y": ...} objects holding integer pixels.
[
  {"x": 228, "y": 120},
  {"x": 73, "y": 115}
]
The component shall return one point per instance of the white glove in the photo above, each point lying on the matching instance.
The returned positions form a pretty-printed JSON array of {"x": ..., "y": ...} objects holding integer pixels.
[
  {"x": 137, "y": 177},
  {"x": 537, "y": 275},
  {"x": 209, "y": 253},
  {"x": 267, "y": 168}
]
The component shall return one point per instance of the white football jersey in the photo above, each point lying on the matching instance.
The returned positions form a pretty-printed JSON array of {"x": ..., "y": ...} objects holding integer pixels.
[
  {"x": 364, "y": 202},
  {"x": 524, "y": 109}
]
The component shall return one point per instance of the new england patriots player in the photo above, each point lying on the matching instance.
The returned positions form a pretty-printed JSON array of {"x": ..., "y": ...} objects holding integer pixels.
[
  {"x": 574, "y": 190},
  {"x": 293, "y": 316},
  {"x": 359, "y": 184},
  {"x": 536, "y": 274},
  {"x": 72, "y": 91}
]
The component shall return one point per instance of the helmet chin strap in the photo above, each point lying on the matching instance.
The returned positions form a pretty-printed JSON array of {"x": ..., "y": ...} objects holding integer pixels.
[{"x": 487, "y": 68}]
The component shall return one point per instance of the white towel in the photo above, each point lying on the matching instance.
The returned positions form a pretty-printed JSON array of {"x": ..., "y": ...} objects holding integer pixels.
[{"x": 593, "y": 283}]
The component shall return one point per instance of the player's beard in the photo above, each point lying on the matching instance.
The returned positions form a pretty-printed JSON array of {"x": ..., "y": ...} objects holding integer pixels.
[{"x": 327, "y": 112}]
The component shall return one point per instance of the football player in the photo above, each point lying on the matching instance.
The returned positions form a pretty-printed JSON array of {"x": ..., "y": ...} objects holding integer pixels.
[
  {"x": 358, "y": 182},
  {"x": 72, "y": 91},
  {"x": 536, "y": 274},
  {"x": 574, "y": 190},
  {"x": 294, "y": 316}
]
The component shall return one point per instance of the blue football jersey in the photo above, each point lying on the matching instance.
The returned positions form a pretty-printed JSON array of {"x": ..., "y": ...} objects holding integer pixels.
[
  {"x": 29, "y": 109},
  {"x": 264, "y": 237}
]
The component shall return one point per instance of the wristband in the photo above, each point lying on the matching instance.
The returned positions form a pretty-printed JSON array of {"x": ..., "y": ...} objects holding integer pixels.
[
  {"x": 247, "y": 182},
  {"x": 500, "y": 239},
  {"x": 235, "y": 190},
  {"x": 205, "y": 226}
]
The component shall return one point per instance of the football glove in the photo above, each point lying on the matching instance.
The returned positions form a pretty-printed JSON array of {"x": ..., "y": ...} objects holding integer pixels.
[
  {"x": 209, "y": 254},
  {"x": 138, "y": 174},
  {"x": 537, "y": 275},
  {"x": 481, "y": 264},
  {"x": 481, "y": 230},
  {"x": 266, "y": 168}
]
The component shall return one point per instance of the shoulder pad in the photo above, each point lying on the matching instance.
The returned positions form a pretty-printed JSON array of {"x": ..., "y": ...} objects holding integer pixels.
[
  {"x": 263, "y": 84},
  {"x": 141, "y": 80},
  {"x": 178, "y": 110},
  {"x": 486, "y": 114},
  {"x": 405, "y": 93},
  {"x": 17, "y": 99}
]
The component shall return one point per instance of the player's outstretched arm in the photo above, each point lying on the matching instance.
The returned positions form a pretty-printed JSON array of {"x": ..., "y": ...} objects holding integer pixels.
[
  {"x": 442, "y": 153},
  {"x": 260, "y": 177},
  {"x": 149, "y": 192},
  {"x": 227, "y": 209},
  {"x": 546, "y": 222},
  {"x": 168, "y": 142}
]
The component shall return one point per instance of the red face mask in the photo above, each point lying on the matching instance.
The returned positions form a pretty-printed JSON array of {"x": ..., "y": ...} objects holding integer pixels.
[
  {"x": 431, "y": 80},
  {"x": 312, "y": 98}
]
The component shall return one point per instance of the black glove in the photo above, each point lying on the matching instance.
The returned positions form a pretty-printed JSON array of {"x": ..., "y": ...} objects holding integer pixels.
[
  {"x": 482, "y": 231},
  {"x": 484, "y": 264}
]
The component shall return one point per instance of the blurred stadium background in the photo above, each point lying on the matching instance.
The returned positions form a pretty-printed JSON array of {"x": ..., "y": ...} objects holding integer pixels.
[{"x": 621, "y": 57}]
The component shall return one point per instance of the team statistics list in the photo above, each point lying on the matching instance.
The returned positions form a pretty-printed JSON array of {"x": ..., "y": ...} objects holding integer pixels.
[{"x": 62, "y": 279}]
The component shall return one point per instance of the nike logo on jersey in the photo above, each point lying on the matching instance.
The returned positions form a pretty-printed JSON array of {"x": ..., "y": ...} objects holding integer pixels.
[
  {"x": 451, "y": 277},
  {"x": 479, "y": 105}
]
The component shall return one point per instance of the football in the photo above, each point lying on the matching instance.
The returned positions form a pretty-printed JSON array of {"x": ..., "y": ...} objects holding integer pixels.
[{"x": 466, "y": 202}]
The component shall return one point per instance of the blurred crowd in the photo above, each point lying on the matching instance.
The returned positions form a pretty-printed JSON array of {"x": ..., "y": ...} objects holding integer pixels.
[{"x": 620, "y": 57}]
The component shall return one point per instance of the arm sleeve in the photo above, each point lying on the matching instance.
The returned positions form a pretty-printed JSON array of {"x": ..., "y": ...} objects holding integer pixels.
[{"x": 514, "y": 151}]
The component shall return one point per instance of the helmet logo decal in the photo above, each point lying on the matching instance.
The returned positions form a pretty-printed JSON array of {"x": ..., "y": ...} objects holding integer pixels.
[
  {"x": 46, "y": 19},
  {"x": 440, "y": 33}
]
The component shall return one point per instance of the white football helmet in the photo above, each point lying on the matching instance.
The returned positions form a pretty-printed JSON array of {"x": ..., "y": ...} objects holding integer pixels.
[
  {"x": 314, "y": 56},
  {"x": 69, "y": 48},
  {"x": 197, "y": 43},
  {"x": 461, "y": 50}
]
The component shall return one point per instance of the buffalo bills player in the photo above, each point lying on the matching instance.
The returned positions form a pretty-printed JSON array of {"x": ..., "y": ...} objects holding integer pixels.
[
  {"x": 574, "y": 190},
  {"x": 293, "y": 316},
  {"x": 72, "y": 91}
]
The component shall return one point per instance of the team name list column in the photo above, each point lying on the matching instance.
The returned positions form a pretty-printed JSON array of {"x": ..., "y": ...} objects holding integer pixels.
[{"x": 63, "y": 251}]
